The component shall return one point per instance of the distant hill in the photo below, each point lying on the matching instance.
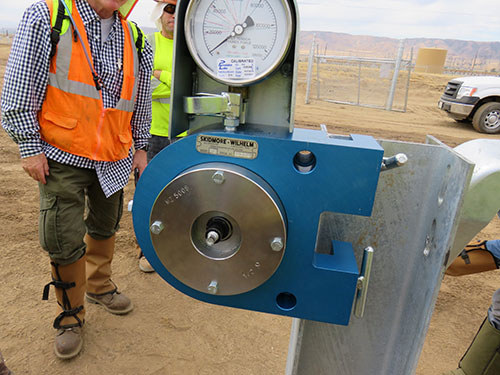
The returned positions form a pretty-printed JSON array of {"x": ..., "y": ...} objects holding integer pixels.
[{"x": 461, "y": 53}]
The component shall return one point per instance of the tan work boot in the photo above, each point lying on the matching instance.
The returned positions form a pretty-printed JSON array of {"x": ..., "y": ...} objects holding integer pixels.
[
  {"x": 100, "y": 288},
  {"x": 69, "y": 282},
  {"x": 144, "y": 265}
]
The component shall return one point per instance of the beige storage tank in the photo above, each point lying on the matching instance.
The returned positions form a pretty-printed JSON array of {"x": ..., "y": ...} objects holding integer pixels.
[{"x": 431, "y": 60}]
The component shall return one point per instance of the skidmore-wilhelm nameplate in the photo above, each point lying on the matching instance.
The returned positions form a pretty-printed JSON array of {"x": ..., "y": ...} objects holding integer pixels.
[{"x": 225, "y": 146}]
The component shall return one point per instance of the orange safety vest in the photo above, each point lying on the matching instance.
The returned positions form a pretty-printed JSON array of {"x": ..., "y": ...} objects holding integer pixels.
[{"x": 73, "y": 117}]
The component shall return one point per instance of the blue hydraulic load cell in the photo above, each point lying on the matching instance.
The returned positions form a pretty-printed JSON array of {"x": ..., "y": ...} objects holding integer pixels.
[{"x": 241, "y": 230}]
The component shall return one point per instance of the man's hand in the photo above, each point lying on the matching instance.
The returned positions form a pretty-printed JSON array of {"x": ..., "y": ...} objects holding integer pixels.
[
  {"x": 157, "y": 73},
  {"x": 37, "y": 167},
  {"x": 140, "y": 161}
]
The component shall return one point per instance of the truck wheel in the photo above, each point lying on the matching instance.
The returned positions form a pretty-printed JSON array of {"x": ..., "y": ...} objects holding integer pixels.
[{"x": 487, "y": 118}]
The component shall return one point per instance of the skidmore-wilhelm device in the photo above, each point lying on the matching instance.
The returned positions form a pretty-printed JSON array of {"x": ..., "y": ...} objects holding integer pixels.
[{"x": 230, "y": 214}]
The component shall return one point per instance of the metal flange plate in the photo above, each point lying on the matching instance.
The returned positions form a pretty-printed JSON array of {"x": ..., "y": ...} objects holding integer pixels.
[{"x": 253, "y": 249}]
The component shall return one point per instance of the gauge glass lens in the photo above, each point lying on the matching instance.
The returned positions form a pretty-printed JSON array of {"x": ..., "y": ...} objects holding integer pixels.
[{"x": 238, "y": 41}]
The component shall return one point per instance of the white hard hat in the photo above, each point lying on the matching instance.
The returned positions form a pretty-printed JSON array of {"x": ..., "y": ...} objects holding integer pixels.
[{"x": 158, "y": 11}]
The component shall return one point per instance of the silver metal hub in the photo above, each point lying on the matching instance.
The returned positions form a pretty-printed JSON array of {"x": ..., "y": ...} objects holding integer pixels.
[
  {"x": 221, "y": 232},
  {"x": 492, "y": 120},
  {"x": 238, "y": 29}
]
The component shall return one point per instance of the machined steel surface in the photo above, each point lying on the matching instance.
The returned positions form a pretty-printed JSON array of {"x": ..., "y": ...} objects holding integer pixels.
[
  {"x": 193, "y": 252},
  {"x": 412, "y": 227}
]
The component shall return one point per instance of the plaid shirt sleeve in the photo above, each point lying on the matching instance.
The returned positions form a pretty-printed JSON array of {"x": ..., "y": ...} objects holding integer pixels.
[
  {"x": 141, "y": 119},
  {"x": 26, "y": 78}
]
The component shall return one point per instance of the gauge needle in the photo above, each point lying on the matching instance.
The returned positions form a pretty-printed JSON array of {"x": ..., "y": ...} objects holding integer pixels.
[
  {"x": 237, "y": 30},
  {"x": 221, "y": 43}
]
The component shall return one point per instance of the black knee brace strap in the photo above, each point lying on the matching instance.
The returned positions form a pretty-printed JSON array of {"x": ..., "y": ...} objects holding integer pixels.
[{"x": 65, "y": 313}]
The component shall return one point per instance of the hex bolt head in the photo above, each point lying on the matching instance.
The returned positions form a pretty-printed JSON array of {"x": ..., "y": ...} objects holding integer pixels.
[
  {"x": 157, "y": 227},
  {"x": 212, "y": 238},
  {"x": 218, "y": 177},
  {"x": 213, "y": 287},
  {"x": 277, "y": 244}
]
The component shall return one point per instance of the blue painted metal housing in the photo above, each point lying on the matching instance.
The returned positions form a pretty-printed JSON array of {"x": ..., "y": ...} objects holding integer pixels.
[{"x": 310, "y": 283}]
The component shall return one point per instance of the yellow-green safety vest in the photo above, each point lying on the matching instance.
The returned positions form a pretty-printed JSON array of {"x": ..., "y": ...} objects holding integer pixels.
[{"x": 163, "y": 50}]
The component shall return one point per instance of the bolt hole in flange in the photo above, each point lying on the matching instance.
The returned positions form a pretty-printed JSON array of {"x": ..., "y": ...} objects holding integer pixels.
[
  {"x": 286, "y": 301},
  {"x": 430, "y": 240},
  {"x": 442, "y": 191},
  {"x": 216, "y": 235},
  {"x": 304, "y": 161}
]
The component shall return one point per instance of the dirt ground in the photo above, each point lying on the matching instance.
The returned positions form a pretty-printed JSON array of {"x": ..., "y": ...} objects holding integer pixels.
[{"x": 170, "y": 333}]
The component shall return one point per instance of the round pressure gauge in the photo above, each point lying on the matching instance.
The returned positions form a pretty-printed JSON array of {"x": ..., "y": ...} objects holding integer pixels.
[{"x": 238, "y": 42}]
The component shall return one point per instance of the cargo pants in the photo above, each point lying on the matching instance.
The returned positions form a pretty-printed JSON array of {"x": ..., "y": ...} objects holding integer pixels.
[{"x": 72, "y": 204}]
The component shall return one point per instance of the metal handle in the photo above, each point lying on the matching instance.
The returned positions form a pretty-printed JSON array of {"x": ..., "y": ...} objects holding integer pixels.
[
  {"x": 363, "y": 281},
  {"x": 212, "y": 104},
  {"x": 395, "y": 161},
  {"x": 205, "y": 104},
  {"x": 227, "y": 105}
]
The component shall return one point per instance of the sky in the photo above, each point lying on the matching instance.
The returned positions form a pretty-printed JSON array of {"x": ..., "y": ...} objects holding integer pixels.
[{"x": 477, "y": 20}]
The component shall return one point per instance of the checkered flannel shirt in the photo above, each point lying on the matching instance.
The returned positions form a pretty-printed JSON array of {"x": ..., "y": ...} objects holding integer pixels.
[{"x": 27, "y": 76}]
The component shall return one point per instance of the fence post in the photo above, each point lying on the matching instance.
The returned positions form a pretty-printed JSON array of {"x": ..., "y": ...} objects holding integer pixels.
[
  {"x": 397, "y": 67},
  {"x": 359, "y": 83},
  {"x": 318, "y": 82},
  {"x": 309, "y": 69},
  {"x": 410, "y": 63}
]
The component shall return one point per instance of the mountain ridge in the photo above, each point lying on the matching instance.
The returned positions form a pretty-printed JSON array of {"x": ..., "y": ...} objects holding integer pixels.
[{"x": 461, "y": 53}]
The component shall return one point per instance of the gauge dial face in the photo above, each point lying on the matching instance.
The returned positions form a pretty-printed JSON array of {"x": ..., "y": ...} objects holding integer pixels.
[{"x": 238, "y": 42}]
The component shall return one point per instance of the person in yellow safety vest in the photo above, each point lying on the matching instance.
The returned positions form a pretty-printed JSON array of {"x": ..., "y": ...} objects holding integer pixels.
[
  {"x": 77, "y": 100},
  {"x": 162, "y": 43}
]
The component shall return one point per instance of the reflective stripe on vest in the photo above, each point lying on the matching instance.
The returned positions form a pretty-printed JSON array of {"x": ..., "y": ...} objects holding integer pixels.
[
  {"x": 162, "y": 100},
  {"x": 73, "y": 117},
  {"x": 155, "y": 83}
]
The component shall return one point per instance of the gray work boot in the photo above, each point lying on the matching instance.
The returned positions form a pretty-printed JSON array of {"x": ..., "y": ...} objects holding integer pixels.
[
  {"x": 114, "y": 302},
  {"x": 68, "y": 342},
  {"x": 145, "y": 266}
]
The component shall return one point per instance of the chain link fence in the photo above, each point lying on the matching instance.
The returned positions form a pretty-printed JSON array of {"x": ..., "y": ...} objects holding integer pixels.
[{"x": 368, "y": 82}]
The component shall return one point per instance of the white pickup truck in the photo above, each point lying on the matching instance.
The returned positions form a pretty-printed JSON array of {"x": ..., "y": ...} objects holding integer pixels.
[{"x": 475, "y": 99}]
